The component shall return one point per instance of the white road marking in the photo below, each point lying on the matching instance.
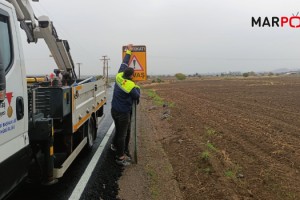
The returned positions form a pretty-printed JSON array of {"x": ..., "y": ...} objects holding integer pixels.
[{"x": 76, "y": 194}]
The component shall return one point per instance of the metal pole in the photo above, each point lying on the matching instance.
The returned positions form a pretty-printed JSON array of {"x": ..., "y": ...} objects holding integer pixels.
[
  {"x": 103, "y": 66},
  {"x": 107, "y": 72},
  {"x": 104, "y": 59},
  {"x": 134, "y": 131},
  {"x": 79, "y": 69}
]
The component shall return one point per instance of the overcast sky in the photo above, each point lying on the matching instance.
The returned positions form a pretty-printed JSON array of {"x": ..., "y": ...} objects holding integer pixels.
[{"x": 187, "y": 36}]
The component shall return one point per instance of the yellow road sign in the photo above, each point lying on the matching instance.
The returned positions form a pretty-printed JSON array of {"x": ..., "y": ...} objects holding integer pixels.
[{"x": 138, "y": 62}]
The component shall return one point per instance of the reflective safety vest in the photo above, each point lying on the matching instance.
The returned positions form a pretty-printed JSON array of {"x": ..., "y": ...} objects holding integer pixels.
[{"x": 125, "y": 84}]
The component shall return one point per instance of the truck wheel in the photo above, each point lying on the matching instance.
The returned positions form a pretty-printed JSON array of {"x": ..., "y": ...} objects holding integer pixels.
[{"x": 91, "y": 132}]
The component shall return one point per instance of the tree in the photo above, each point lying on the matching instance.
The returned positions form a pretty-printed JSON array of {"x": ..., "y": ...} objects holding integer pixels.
[
  {"x": 180, "y": 76},
  {"x": 246, "y": 74},
  {"x": 252, "y": 73}
]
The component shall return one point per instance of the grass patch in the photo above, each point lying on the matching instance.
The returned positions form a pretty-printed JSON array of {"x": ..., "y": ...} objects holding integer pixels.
[
  {"x": 205, "y": 155},
  {"x": 154, "y": 187},
  {"x": 204, "y": 166},
  {"x": 210, "y": 131},
  {"x": 210, "y": 146},
  {"x": 229, "y": 174},
  {"x": 171, "y": 104},
  {"x": 209, "y": 151},
  {"x": 158, "y": 100},
  {"x": 207, "y": 170}
]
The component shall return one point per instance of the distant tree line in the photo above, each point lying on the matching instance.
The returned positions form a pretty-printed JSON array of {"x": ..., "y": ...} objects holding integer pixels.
[{"x": 181, "y": 76}]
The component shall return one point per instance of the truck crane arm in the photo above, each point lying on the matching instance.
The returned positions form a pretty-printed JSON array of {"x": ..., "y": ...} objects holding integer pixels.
[{"x": 42, "y": 27}]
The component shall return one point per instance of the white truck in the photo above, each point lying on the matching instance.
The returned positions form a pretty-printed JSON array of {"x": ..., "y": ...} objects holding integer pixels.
[{"x": 43, "y": 125}]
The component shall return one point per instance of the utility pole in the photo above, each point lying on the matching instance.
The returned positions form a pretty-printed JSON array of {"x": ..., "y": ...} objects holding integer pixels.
[
  {"x": 79, "y": 69},
  {"x": 105, "y": 68},
  {"x": 107, "y": 72}
]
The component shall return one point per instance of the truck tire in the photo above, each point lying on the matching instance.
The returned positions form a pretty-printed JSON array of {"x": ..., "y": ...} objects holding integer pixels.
[{"x": 91, "y": 132}]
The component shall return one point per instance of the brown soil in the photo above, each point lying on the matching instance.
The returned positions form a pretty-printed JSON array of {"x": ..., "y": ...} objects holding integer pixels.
[{"x": 218, "y": 139}]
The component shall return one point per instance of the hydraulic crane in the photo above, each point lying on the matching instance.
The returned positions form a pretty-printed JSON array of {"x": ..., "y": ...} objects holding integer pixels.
[{"x": 43, "y": 28}]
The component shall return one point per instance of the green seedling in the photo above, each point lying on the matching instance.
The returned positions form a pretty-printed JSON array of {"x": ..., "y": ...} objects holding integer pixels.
[
  {"x": 229, "y": 174},
  {"x": 205, "y": 155},
  {"x": 207, "y": 170},
  {"x": 210, "y": 131},
  {"x": 211, "y": 146}
]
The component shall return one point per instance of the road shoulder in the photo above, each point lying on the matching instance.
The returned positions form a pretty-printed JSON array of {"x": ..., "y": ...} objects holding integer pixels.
[{"x": 152, "y": 177}]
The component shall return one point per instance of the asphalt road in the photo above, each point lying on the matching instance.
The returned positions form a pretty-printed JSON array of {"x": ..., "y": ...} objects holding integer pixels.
[{"x": 101, "y": 185}]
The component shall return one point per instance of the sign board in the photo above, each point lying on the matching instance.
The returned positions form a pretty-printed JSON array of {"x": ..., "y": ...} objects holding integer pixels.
[{"x": 137, "y": 62}]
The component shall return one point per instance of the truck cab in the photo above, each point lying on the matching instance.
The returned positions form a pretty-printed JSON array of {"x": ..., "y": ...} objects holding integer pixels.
[{"x": 15, "y": 155}]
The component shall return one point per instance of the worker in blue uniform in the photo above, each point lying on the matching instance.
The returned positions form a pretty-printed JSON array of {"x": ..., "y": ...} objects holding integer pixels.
[{"x": 124, "y": 95}]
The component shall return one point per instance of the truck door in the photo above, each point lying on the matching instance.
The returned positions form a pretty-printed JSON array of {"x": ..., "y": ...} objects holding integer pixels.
[
  {"x": 12, "y": 109},
  {"x": 14, "y": 153}
]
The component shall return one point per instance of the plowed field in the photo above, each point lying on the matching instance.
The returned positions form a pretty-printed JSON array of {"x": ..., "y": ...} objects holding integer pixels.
[{"x": 231, "y": 139}]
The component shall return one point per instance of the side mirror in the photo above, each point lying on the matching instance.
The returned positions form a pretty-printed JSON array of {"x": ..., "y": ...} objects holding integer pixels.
[{"x": 2, "y": 80}]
